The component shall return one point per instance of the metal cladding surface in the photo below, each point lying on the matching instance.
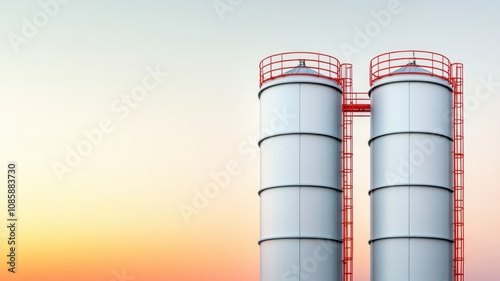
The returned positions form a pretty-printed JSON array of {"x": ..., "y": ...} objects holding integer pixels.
[
  {"x": 300, "y": 195},
  {"x": 411, "y": 190}
]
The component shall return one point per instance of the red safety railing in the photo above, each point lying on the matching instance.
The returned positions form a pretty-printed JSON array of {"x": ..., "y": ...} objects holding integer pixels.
[
  {"x": 458, "y": 171},
  {"x": 313, "y": 64},
  {"x": 358, "y": 103},
  {"x": 407, "y": 62}
]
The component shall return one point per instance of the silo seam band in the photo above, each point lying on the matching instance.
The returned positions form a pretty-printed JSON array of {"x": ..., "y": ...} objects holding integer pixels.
[
  {"x": 291, "y": 82},
  {"x": 300, "y": 238},
  {"x": 299, "y": 133},
  {"x": 410, "y": 237},
  {"x": 409, "y": 185},
  {"x": 409, "y": 132},
  {"x": 300, "y": 185}
]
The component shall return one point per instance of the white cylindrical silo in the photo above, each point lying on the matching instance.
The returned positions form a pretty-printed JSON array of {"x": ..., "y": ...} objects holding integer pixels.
[
  {"x": 300, "y": 193},
  {"x": 411, "y": 190}
]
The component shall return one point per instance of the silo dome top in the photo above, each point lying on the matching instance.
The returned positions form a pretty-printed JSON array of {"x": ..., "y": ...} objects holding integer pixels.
[
  {"x": 302, "y": 69},
  {"x": 411, "y": 67}
]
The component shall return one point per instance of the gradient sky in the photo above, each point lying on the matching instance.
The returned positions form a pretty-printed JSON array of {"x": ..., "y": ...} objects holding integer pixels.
[{"x": 116, "y": 215}]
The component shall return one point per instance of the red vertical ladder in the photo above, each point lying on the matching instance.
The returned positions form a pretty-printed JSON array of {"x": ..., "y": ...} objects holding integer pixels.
[
  {"x": 353, "y": 105},
  {"x": 347, "y": 176},
  {"x": 458, "y": 171}
]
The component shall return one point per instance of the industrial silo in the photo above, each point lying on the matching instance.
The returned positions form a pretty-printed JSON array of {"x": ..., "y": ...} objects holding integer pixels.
[
  {"x": 300, "y": 190},
  {"x": 411, "y": 148}
]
